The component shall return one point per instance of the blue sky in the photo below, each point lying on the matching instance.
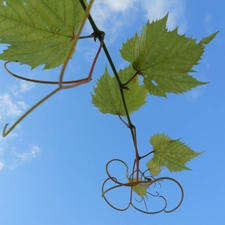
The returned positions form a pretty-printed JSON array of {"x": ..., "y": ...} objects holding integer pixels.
[{"x": 53, "y": 164}]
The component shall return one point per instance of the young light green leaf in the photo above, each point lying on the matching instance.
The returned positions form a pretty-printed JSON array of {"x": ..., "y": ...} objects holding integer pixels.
[
  {"x": 107, "y": 97},
  {"x": 164, "y": 58},
  {"x": 38, "y": 32},
  {"x": 154, "y": 168},
  {"x": 172, "y": 154}
]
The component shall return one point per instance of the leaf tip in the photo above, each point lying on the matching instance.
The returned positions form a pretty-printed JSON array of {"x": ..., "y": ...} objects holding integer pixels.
[{"x": 206, "y": 40}]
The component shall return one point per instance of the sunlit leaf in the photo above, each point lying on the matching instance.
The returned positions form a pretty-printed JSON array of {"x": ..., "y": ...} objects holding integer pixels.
[
  {"x": 154, "y": 168},
  {"x": 107, "y": 97},
  {"x": 172, "y": 154},
  {"x": 164, "y": 58},
  {"x": 38, "y": 32}
]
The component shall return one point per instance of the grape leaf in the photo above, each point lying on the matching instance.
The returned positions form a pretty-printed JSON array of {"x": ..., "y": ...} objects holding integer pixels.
[
  {"x": 107, "y": 97},
  {"x": 154, "y": 168},
  {"x": 172, "y": 154},
  {"x": 38, "y": 32},
  {"x": 164, "y": 58}
]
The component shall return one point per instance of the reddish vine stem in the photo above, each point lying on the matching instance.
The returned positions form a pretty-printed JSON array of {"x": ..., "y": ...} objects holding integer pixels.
[
  {"x": 87, "y": 79},
  {"x": 34, "y": 80}
]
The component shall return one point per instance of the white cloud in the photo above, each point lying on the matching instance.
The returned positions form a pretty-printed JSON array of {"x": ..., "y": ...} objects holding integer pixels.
[
  {"x": 111, "y": 16},
  {"x": 22, "y": 105},
  {"x": 23, "y": 86},
  {"x": 10, "y": 108},
  {"x": 117, "y": 5},
  {"x": 156, "y": 9},
  {"x": 27, "y": 156},
  {"x": 13, "y": 159},
  {"x": 26, "y": 86}
]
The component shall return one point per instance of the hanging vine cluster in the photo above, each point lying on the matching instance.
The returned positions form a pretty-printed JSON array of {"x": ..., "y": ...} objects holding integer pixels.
[{"x": 163, "y": 58}]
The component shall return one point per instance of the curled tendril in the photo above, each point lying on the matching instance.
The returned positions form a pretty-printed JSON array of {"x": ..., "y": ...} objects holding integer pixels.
[
  {"x": 109, "y": 189},
  {"x": 149, "y": 212},
  {"x": 113, "y": 178},
  {"x": 148, "y": 182},
  {"x": 34, "y": 80}
]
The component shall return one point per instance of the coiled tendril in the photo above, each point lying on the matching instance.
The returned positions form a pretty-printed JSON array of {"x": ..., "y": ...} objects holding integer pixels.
[{"x": 132, "y": 183}]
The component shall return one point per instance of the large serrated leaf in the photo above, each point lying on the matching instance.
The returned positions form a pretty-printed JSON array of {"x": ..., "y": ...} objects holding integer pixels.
[
  {"x": 107, "y": 97},
  {"x": 164, "y": 58},
  {"x": 38, "y": 32},
  {"x": 172, "y": 154}
]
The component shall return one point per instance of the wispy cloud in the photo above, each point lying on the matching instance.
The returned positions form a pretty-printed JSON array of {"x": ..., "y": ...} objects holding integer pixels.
[
  {"x": 19, "y": 158},
  {"x": 8, "y": 107},
  {"x": 21, "y": 88},
  {"x": 116, "y": 5},
  {"x": 13, "y": 159},
  {"x": 11, "y": 107},
  {"x": 112, "y": 16},
  {"x": 27, "y": 156}
]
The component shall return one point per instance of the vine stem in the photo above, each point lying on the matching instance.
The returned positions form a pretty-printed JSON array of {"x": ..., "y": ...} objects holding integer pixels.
[
  {"x": 98, "y": 34},
  {"x": 67, "y": 58}
]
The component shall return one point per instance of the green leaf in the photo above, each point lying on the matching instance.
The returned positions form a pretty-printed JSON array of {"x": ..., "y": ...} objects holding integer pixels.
[
  {"x": 38, "y": 32},
  {"x": 172, "y": 154},
  {"x": 154, "y": 168},
  {"x": 107, "y": 97},
  {"x": 164, "y": 58}
]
